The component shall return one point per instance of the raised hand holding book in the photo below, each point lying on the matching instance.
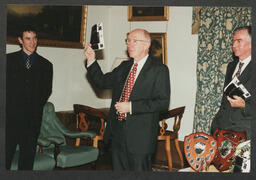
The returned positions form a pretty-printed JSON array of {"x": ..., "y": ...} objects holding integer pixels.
[{"x": 97, "y": 38}]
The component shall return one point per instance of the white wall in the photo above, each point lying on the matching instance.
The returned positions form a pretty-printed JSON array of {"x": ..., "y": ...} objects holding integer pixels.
[{"x": 70, "y": 85}]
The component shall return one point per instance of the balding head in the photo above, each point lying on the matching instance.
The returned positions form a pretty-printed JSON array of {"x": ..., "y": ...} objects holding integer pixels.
[
  {"x": 138, "y": 43},
  {"x": 144, "y": 32}
]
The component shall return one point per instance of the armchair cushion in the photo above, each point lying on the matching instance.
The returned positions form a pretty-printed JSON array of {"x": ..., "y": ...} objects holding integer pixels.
[
  {"x": 70, "y": 156},
  {"x": 83, "y": 155}
]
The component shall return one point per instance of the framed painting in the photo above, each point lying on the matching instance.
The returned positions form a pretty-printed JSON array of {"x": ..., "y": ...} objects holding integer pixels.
[
  {"x": 139, "y": 13},
  {"x": 158, "y": 47},
  {"x": 57, "y": 26}
]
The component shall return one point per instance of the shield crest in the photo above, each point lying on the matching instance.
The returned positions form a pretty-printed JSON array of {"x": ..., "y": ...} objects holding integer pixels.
[
  {"x": 200, "y": 149},
  {"x": 227, "y": 141}
]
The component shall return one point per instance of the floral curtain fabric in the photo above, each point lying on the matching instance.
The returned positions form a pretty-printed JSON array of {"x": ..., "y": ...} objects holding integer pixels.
[{"x": 214, "y": 53}]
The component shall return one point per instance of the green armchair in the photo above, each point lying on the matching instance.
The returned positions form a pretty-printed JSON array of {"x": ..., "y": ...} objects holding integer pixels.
[{"x": 65, "y": 155}]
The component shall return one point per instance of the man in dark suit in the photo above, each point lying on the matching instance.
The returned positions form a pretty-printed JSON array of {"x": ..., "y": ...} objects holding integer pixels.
[
  {"x": 236, "y": 113},
  {"x": 28, "y": 86},
  {"x": 132, "y": 123}
]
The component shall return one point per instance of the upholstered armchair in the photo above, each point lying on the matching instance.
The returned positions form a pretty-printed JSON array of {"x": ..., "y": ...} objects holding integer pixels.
[{"x": 66, "y": 155}]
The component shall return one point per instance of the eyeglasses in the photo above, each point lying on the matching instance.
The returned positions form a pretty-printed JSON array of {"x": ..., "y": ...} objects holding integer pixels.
[{"x": 134, "y": 41}]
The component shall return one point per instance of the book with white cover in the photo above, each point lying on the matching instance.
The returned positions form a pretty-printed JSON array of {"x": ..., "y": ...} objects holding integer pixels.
[
  {"x": 97, "y": 38},
  {"x": 235, "y": 87}
]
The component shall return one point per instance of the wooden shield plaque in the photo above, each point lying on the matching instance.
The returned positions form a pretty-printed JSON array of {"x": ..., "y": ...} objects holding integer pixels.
[
  {"x": 227, "y": 141},
  {"x": 200, "y": 149}
]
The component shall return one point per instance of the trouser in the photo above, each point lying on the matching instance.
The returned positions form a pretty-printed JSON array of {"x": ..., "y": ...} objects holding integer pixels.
[
  {"x": 123, "y": 160},
  {"x": 27, "y": 149}
]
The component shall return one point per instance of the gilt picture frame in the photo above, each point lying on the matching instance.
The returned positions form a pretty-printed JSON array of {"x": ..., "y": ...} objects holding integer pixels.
[
  {"x": 57, "y": 26},
  {"x": 158, "y": 49},
  {"x": 143, "y": 13}
]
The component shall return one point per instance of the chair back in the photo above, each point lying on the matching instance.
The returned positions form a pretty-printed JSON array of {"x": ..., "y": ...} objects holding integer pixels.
[
  {"x": 88, "y": 118},
  {"x": 51, "y": 125},
  {"x": 177, "y": 114}
]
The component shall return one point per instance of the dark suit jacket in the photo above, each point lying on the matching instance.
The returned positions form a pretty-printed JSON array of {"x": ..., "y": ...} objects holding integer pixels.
[
  {"x": 26, "y": 92},
  {"x": 150, "y": 95},
  {"x": 237, "y": 119}
]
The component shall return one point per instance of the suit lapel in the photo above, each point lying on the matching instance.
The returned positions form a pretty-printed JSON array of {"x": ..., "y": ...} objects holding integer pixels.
[
  {"x": 36, "y": 63},
  {"x": 20, "y": 60},
  {"x": 127, "y": 70},
  {"x": 124, "y": 75},
  {"x": 141, "y": 76},
  {"x": 246, "y": 74},
  {"x": 19, "y": 65},
  {"x": 231, "y": 70}
]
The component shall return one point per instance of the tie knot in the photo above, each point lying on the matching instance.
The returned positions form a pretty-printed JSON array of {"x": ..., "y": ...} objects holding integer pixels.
[{"x": 241, "y": 64}]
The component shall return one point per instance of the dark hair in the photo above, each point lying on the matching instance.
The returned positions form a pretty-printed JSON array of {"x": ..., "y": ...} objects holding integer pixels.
[
  {"x": 248, "y": 28},
  {"x": 26, "y": 28}
]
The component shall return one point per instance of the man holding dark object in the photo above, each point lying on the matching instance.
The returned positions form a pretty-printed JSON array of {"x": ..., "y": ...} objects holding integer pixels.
[
  {"x": 97, "y": 38},
  {"x": 236, "y": 113},
  {"x": 140, "y": 91},
  {"x": 28, "y": 86}
]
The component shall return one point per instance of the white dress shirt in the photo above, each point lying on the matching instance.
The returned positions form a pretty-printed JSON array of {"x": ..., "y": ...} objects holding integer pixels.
[{"x": 245, "y": 61}]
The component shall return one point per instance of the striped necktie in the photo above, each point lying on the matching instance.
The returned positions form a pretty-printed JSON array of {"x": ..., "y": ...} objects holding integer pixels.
[{"x": 239, "y": 69}]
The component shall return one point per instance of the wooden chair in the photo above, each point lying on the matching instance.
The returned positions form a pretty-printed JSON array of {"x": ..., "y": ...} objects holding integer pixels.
[
  {"x": 88, "y": 118},
  {"x": 167, "y": 136}
]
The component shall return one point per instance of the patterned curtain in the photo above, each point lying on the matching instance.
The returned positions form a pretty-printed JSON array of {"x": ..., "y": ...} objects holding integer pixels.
[{"x": 214, "y": 53}]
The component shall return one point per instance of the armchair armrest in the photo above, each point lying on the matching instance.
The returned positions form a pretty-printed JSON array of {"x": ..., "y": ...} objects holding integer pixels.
[
  {"x": 79, "y": 134},
  {"x": 73, "y": 134},
  {"x": 46, "y": 141},
  {"x": 43, "y": 142}
]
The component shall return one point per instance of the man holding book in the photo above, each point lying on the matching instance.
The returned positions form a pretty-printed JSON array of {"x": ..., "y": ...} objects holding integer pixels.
[
  {"x": 236, "y": 112},
  {"x": 140, "y": 91}
]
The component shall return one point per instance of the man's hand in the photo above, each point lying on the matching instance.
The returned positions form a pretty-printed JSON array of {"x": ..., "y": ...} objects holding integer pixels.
[
  {"x": 89, "y": 54},
  {"x": 237, "y": 102},
  {"x": 122, "y": 107}
]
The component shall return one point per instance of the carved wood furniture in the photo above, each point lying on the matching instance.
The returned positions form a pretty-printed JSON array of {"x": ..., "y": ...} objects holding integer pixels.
[
  {"x": 88, "y": 118},
  {"x": 167, "y": 135}
]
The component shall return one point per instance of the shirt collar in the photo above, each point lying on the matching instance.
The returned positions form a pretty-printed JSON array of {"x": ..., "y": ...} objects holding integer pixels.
[
  {"x": 142, "y": 61},
  {"x": 245, "y": 61},
  {"x": 25, "y": 56}
]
